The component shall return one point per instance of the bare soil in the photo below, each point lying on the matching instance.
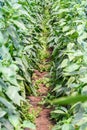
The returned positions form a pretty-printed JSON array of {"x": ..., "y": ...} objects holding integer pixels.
[{"x": 42, "y": 121}]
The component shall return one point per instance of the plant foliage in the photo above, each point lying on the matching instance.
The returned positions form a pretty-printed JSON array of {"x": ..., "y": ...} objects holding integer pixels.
[
  {"x": 27, "y": 27},
  {"x": 68, "y": 37},
  {"x": 19, "y": 46}
]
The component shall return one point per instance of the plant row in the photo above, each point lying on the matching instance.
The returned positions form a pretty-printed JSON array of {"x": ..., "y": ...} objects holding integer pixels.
[
  {"x": 68, "y": 38},
  {"x": 20, "y": 22}
]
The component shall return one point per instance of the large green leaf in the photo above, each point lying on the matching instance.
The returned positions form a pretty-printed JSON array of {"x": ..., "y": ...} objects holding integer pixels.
[
  {"x": 71, "y": 68},
  {"x": 2, "y": 113},
  {"x": 69, "y": 99},
  {"x": 14, "y": 120},
  {"x": 67, "y": 127},
  {"x": 28, "y": 124},
  {"x": 7, "y": 125},
  {"x": 7, "y": 104},
  {"x": 12, "y": 93},
  {"x": 1, "y": 38}
]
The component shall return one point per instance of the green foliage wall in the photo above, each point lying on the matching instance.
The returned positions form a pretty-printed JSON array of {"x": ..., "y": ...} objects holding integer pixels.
[
  {"x": 21, "y": 31},
  {"x": 68, "y": 37},
  {"x": 19, "y": 45}
]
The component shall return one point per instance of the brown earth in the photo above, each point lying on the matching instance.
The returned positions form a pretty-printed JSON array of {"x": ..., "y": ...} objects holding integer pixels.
[{"x": 42, "y": 121}]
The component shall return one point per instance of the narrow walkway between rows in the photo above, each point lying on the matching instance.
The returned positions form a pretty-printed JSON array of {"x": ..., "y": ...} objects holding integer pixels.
[{"x": 43, "y": 120}]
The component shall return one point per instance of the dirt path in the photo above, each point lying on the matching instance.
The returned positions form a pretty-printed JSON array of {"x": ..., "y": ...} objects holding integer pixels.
[{"x": 42, "y": 121}]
